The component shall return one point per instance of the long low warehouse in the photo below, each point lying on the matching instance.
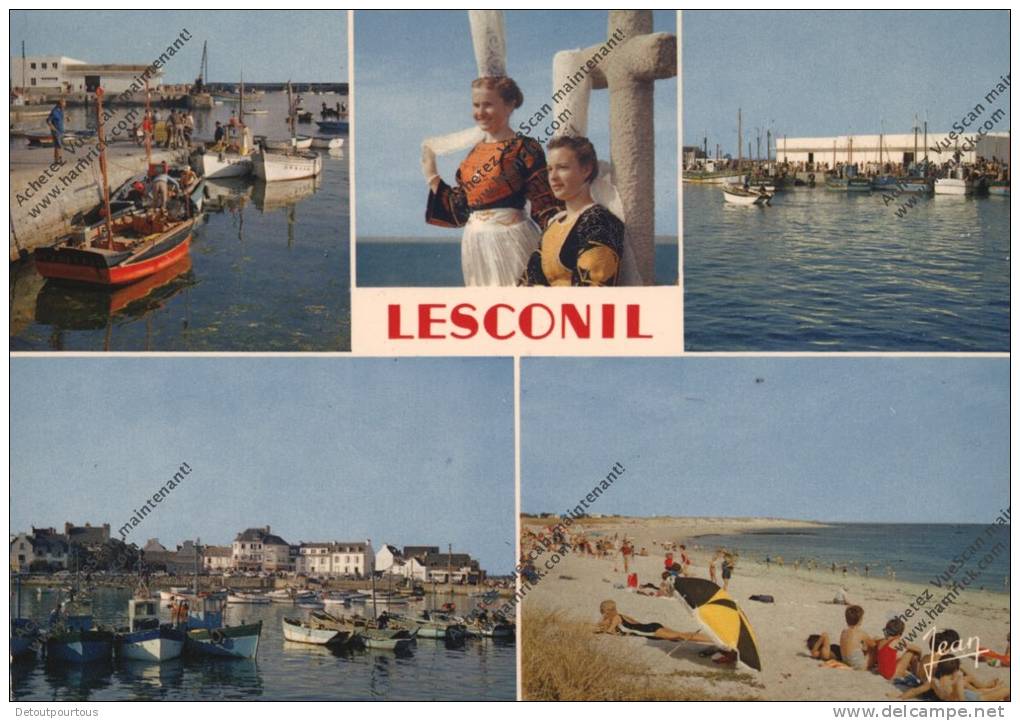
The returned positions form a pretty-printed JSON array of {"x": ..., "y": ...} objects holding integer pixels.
[{"x": 892, "y": 148}]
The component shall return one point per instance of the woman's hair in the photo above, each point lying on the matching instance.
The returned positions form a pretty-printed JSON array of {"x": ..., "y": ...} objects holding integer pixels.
[
  {"x": 583, "y": 150},
  {"x": 505, "y": 87},
  {"x": 812, "y": 640},
  {"x": 948, "y": 636},
  {"x": 607, "y": 607},
  {"x": 894, "y": 627}
]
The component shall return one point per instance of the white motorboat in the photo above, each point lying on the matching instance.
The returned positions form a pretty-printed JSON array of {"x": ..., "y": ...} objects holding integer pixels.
[
  {"x": 739, "y": 196},
  {"x": 275, "y": 166},
  {"x": 231, "y": 158},
  {"x": 953, "y": 186}
]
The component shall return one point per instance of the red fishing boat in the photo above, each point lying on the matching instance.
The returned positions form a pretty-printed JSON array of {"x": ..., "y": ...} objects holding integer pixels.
[{"x": 121, "y": 250}]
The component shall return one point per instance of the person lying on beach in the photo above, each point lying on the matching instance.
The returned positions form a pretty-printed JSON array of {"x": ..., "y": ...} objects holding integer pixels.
[
  {"x": 819, "y": 647},
  {"x": 949, "y": 682},
  {"x": 614, "y": 622},
  {"x": 857, "y": 647}
]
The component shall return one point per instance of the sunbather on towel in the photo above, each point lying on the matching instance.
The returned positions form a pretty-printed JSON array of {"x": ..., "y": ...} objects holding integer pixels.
[{"x": 614, "y": 622}]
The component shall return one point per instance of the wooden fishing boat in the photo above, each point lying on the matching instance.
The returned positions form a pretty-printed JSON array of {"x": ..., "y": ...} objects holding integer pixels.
[
  {"x": 291, "y": 163},
  {"x": 146, "y": 639},
  {"x": 134, "y": 247},
  {"x": 122, "y": 250},
  {"x": 208, "y": 636},
  {"x": 312, "y": 631},
  {"x": 739, "y": 196},
  {"x": 858, "y": 185},
  {"x": 233, "y": 641},
  {"x": 387, "y": 633},
  {"x": 74, "y": 637}
]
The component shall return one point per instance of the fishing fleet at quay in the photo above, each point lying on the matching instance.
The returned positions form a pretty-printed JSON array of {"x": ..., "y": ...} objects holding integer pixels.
[
  {"x": 892, "y": 169},
  {"x": 145, "y": 226},
  {"x": 370, "y": 618}
]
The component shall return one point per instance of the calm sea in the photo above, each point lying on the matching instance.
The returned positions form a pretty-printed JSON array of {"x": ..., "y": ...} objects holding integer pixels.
[
  {"x": 427, "y": 262},
  {"x": 827, "y": 271},
  {"x": 916, "y": 552},
  {"x": 283, "y": 671},
  {"x": 268, "y": 270}
]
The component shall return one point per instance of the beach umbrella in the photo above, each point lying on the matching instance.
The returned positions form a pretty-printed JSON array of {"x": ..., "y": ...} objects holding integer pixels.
[{"x": 720, "y": 616}]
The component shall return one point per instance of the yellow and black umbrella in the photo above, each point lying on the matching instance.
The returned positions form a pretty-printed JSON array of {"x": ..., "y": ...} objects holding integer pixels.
[{"x": 720, "y": 616}]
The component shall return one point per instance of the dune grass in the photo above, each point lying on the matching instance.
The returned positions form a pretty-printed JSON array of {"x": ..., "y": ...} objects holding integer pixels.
[{"x": 563, "y": 661}]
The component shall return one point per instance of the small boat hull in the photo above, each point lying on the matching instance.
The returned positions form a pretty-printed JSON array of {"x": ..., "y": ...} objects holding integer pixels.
[
  {"x": 222, "y": 165},
  {"x": 333, "y": 126},
  {"x": 245, "y": 598},
  {"x": 155, "y": 645},
  {"x": 953, "y": 186},
  {"x": 323, "y": 143},
  {"x": 302, "y": 142},
  {"x": 80, "y": 647},
  {"x": 272, "y": 167},
  {"x": 739, "y": 196},
  {"x": 230, "y": 641},
  {"x": 110, "y": 268},
  {"x": 996, "y": 189},
  {"x": 296, "y": 632}
]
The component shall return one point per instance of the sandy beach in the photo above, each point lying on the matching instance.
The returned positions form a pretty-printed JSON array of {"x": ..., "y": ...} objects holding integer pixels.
[{"x": 803, "y": 605}]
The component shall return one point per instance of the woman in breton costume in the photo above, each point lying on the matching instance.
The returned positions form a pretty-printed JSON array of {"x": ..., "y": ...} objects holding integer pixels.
[
  {"x": 583, "y": 244},
  {"x": 500, "y": 175}
]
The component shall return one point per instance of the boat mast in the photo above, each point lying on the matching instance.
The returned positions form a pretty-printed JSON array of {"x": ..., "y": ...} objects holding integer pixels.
[
  {"x": 740, "y": 140},
  {"x": 290, "y": 115},
  {"x": 146, "y": 133},
  {"x": 102, "y": 166}
]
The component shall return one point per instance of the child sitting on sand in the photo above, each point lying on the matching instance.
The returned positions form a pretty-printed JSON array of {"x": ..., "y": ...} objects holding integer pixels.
[
  {"x": 856, "y": 647},
  {"x": 889, "y": 664},
  {"x": 614, "y": 622}
]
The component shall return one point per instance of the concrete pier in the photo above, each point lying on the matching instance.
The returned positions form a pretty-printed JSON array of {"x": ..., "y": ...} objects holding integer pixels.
[{"x": 45, "y": 197}]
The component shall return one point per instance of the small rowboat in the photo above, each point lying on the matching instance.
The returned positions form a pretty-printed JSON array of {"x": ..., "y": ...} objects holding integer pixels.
[
  {"x": 738, "y": 196},
  {"x": 327, "y": 143},
  {"x": 298, "y": 631},
  {"x": 301, "y": 142}
]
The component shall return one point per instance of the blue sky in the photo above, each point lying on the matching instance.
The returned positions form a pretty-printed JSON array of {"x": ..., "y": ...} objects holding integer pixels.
[
  {"x": 830, "y": 439},
  {"x": 400, "y": 451},
  {"x": 836, "y": 73},
  {"x": 269, "y": 46},
  {"x": 413, "y": 76}
]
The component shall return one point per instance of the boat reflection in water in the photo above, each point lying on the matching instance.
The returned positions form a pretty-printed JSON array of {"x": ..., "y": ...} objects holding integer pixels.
[
  {"x": 66, "y": 306},
  {"x": 225, "y": 194},
  {"x": 283, "y": 194}
]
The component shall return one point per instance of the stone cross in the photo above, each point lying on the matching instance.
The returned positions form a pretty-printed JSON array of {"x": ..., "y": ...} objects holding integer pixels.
[{"x": 629, "y": 71}]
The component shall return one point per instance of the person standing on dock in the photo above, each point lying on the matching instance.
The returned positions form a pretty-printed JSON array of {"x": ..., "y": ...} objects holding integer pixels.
[
  {"x": 189, "y": 128},
  {"x": 55, "y": 122}
]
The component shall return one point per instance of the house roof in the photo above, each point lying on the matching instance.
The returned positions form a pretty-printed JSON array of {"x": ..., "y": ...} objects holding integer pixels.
[
  {"x": 414, "y": 551},
  {"x": 260, "y": 535},
  {"x": 444, "y": 560},
  {"x": 217, "y": 551}
]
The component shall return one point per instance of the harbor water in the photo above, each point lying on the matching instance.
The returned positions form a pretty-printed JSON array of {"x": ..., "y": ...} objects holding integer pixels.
[
  {"x": 480, "y": 669},
  {"x": 835, "y": 271},
  {"x": 916, "y": 552},
  {"x": 268, "y": 268},
  {"x": 435, "y": 262}
]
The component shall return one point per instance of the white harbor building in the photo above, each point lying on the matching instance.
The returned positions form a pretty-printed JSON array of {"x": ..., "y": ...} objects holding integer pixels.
[
  {"x": 61, "y": 74},
  {"x": 899, "y": 148}
]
